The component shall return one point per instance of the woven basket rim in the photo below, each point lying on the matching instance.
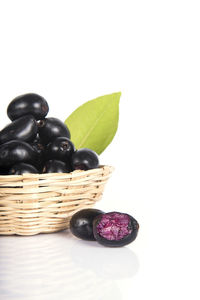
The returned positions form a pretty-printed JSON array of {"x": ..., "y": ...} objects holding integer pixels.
[{"x": 59, "y": 175}]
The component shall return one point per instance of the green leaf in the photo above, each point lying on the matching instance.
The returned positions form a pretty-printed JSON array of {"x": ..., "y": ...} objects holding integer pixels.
[{"x": 93, "y": 125}]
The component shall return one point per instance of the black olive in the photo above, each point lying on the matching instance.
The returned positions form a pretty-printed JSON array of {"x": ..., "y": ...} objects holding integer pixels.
[
  {"x": 85, "y": 159},
  {"x": 16, "y": 151},
  {"x": 50, "y": 128},
  {"x": 24, "y": 129},
  {"x": 32, "y": 104},
  {"x": 115, "y": 229},
  {"x": 22, "y": 168},
  {"x": 61, "y": 148},
  {"x": 56, "y": 166},
  {"x": 81, "y": 223}
]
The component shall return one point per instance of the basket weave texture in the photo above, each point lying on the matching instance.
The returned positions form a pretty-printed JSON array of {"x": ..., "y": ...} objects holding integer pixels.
[{"x": 44, "y": 203}]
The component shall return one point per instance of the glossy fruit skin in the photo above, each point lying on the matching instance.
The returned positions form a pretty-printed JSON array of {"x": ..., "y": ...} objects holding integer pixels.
[
  {"x": 85, "y": 159},
  {"x": 37, "y": 145},
  {"x": 39, "y": 148},
  {"x": 50, "y": 128},
  {"x": 22, "y": 168},
  {"x": 28, "y": 104},
  {"x": 81, "y": 223},
  {"x": 16, "y": 151},
  {"x": 23, "y": 129},
  {"x": 133, "y": 227},
  {"x": 61, "y": 148},
  {"x": 55, "y": 166}
]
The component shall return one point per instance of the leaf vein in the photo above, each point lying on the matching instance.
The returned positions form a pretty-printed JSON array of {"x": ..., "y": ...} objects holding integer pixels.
[{"x": 92, "y": 128}]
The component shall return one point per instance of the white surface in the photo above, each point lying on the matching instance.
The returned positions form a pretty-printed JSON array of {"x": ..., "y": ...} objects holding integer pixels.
[
  {"x": 71, "y": 52},
  {"x": 58, "y": 266}
]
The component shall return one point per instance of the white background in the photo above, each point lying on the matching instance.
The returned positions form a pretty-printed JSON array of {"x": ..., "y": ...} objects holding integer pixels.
[{"x": 74, "y": 51}]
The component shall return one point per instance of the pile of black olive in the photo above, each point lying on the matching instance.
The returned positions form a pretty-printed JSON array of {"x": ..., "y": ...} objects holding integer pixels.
[
  {"x": 113, "y": 229},
  {"x": 33, "y": 143}
]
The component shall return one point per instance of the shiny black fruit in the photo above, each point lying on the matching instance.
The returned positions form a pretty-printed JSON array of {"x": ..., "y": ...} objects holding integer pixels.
[
  {"x": 22, "y": 168},
  {"x": 50, "y": 128},
  {"x": 61, "y": 148},
  {"x": 81, "y": 223},
  {"x": 39, "y": 148},
  {"x": 32, "y": 104},
  {"x": 84, "y": 159},
  {"x": 115, "y": 229},
  {"x": 37, "y": 145},
  {"x": 55, "y": 166},
  {"x": 23, "y": 129},
  {"x": 16, "y": 151}
]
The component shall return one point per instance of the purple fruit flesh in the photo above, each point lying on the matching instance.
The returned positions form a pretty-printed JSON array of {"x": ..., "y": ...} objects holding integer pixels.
[
  {"x": 115, "y": 229},
  {"x": 114, "y": 226}
]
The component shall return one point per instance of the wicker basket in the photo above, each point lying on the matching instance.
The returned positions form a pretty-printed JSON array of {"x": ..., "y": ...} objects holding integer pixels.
[{"x": 43, "y": 203}]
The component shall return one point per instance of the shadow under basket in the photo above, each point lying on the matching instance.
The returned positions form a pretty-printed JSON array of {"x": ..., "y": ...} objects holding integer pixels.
[{"x": 44, "y": 203}]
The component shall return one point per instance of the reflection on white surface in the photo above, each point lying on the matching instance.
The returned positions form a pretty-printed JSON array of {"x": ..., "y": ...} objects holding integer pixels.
[
  {"x": 109, "y": 263},
  {"x": 59, "y": 266}
]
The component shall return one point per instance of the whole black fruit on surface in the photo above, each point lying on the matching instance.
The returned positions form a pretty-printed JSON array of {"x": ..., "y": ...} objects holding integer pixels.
[
  {"x": 16, "y": 151},
  {"x": 24, "y": 129},
  {"x": 22, "y": 168},
  {"x": 30, "y": 103},
  {"x": 81, "y": 223},
  {"x": 61, "y": 148},
  {"x": 85, "y": 159},
  {"x": 115, "y": 229},
  {"x": 55, "y": 166},
  {"x": 50, "y": 128}
]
